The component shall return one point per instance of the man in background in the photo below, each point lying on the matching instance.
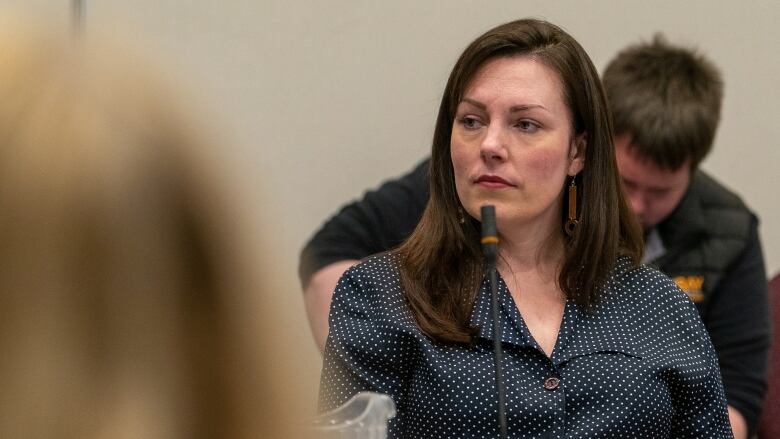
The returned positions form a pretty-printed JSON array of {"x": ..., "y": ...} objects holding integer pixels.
[{"x": 666, "y": 103}]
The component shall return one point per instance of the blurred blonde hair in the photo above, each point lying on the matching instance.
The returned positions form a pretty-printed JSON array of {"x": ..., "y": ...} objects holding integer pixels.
[{"x": 128, "y": 303}]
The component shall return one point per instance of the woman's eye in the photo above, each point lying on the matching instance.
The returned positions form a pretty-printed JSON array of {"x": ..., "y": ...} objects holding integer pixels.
[
  {"x": 527, "y": 126},
  {"x": 470, "y": 123}
]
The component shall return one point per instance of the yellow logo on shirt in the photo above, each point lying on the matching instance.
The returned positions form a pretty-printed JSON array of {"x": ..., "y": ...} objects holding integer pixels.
[{"x": 692, "y": 285}]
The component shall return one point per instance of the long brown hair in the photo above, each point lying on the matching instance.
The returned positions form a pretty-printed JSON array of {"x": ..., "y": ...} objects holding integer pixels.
[
  {"x": 127, "y": 305},
  {"x": 441, "y": 263}
]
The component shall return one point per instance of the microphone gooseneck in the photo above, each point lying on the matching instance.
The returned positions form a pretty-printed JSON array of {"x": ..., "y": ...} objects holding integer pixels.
[{"x": 490, "y": 252}]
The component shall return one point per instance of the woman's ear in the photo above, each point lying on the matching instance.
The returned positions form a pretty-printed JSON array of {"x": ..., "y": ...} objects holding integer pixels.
[{"x": 577, "y": 153}]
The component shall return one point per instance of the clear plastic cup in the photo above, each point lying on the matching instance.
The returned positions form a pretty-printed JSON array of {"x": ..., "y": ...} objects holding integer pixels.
[{"x": 364, "y": 416}]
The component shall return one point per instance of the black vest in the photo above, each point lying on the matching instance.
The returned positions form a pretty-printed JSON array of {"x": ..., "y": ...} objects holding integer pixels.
[{"x": 703, "y": 236}]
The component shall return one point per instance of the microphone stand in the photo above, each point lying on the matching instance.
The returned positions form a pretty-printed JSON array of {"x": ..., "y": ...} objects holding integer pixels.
[{"x": 490, "y": 251}]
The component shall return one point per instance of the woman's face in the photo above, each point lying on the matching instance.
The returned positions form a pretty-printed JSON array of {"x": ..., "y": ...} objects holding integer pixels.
[{"x": 512, "y": 144}]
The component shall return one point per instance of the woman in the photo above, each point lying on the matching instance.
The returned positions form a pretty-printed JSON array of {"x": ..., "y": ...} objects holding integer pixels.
[
  {"x": 595, "y": 346},
  {"x": 128, "y": 308}
]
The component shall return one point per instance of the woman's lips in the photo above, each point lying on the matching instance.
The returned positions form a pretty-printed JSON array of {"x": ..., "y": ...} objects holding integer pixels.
[{"x": 492, "y": 181}]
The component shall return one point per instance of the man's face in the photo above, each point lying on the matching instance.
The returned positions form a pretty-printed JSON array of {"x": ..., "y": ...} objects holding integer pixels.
[{"x": 652, "y": 192}]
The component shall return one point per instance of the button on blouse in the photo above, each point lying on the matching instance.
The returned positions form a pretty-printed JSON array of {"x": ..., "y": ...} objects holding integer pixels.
[{"x": 640, "y": 364}]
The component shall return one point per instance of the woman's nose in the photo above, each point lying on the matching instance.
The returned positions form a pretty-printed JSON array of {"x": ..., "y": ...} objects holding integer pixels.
[{"x": 493, "y": 145}]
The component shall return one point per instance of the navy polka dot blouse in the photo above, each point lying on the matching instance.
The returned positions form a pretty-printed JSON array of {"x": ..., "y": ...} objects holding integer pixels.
[{"x": 640, "y": 365}]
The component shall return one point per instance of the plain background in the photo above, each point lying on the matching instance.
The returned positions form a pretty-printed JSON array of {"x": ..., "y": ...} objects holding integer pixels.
[{"x": 318, "y": 101}]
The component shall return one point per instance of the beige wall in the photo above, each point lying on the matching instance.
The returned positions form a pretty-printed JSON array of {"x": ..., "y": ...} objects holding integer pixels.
[{"x": 324, "y": 99}]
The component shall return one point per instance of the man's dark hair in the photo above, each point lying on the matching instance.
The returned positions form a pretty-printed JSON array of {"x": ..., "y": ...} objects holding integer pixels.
[{"x": 667, "y": 98}]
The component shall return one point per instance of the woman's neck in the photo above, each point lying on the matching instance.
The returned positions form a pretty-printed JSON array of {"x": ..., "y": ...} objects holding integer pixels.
[{"x": 539, "y": 251}]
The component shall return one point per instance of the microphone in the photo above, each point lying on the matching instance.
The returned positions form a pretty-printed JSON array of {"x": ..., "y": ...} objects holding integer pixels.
[
  {"x": 490, "y": 252},
  {"x": 489, "y": 235}
]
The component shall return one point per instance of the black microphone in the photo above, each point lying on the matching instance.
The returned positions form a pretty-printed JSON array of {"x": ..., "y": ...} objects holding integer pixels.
[{"x": 490, "y": 252}]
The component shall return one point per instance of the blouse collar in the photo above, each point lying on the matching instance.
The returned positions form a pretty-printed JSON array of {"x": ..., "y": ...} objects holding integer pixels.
[{"x": 605, "y": 328}]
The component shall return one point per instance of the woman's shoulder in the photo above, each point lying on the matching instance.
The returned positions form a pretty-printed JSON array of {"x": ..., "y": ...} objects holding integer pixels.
[
  {"x": 645, "y": 288},
  {"x": 369, "y": 304},
  {"x": 377, "y": 271},
  {"x": 374, "y": 281},
  {"x": 660, "y": 315}
]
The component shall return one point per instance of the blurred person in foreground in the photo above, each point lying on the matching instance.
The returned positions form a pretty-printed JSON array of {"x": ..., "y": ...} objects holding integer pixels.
[
  {"x": 666, "y": 103},
  {"x": 126, "y": 306},
  {"x": 595, "y": 344}
]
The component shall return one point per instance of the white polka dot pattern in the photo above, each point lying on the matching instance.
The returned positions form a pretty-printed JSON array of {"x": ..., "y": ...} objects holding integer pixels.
[{"x": 640, "y": 364}]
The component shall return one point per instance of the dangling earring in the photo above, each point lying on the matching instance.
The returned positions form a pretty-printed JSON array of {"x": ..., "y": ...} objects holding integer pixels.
[
  {"x": 461, "y": 216},
  {"x": 571, "y": 224}
]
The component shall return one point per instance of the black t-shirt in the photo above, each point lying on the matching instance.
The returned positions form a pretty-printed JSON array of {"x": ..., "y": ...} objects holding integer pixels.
[{"x": 380, "y": 221}]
